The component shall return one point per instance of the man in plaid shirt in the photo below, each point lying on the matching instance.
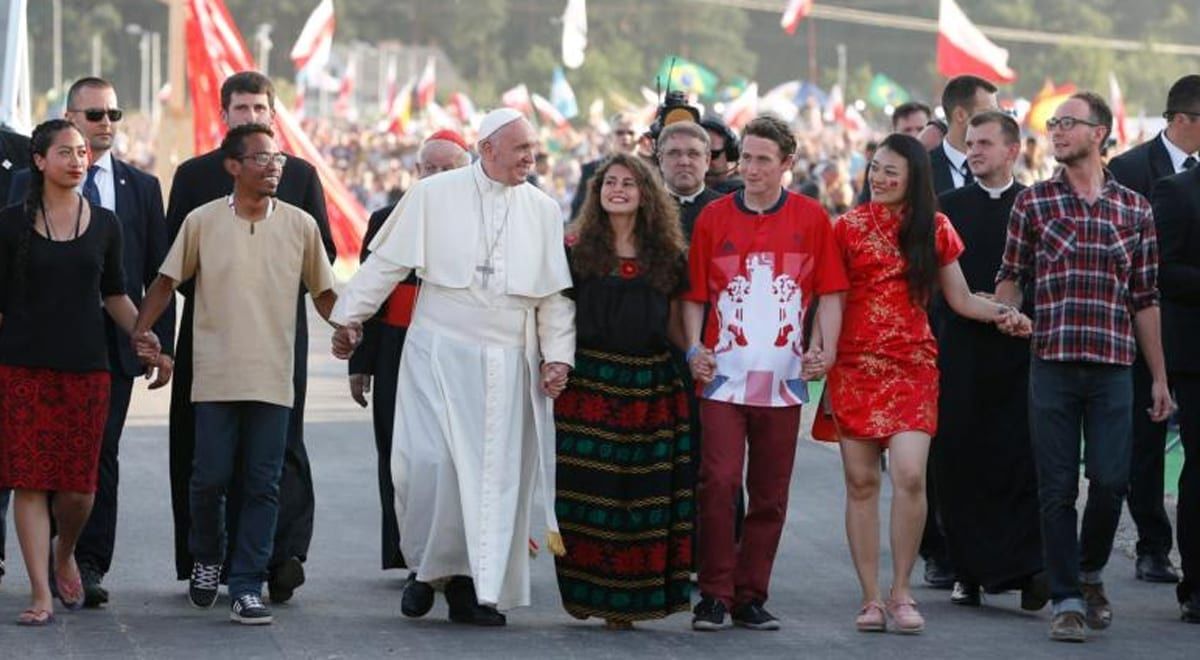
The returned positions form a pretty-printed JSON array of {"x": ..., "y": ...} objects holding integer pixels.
[{"x": 1088, "y": 245}]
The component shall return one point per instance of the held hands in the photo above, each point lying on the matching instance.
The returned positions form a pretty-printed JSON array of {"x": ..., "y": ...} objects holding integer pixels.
[
  {"x": 147, "y": 347},
  {"x": 1162, "y": 405},
  {"x": 1012, "y": 322},
  {"x": 165, "y": 367},
  {"x": 815, "y": 363},
  {"x": 360, "y": 387},
  {"x": 554, "y": 378},
  {"x": 703, "y": 364},
  {"x": 345, "y": 339}
]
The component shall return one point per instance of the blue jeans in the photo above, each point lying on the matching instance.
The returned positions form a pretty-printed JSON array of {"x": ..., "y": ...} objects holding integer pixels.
[
  {"x": 254, "y": 433},
  {"x": 1065, "y": 397}
]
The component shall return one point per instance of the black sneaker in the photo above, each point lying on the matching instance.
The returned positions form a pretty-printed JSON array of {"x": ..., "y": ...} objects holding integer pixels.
[
  {"x": 248, "y": 609},
  {"x": 966, "y": 594},
  {"x": 94, "y": 595},
  {"x": 709, "y": 615},
  {"x": 203, "y": 585},
  {"x": 938, "y": 574},
  {"x": 754, "y": 616},
  {"x": 285, "y": 578}
]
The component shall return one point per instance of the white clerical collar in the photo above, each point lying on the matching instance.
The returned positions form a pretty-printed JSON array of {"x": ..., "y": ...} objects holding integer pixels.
[
  {"x": 997, "y": 193},
  {"x": 487, "y": 183},
  {"x": 1177, "y": 155},
  {"x": 687, "y": 199},
  {"x": 957, "y": 158},
  {"x": 270, "y": 207}
]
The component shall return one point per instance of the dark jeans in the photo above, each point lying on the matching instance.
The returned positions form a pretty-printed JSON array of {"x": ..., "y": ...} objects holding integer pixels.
[
  {"x": 99, "y": 535},
  {"x": 256, "y": 434},
  {"x": 1187, "y": 518},
  {"x": 1065, "y": 397},
  {"x": 1146, "y": 469}
]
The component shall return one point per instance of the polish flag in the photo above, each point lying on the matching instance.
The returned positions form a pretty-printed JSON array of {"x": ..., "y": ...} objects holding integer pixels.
[
  {"x": 316, "y": 38},
  {"x": 741, "y": 110},
  {"x": 517, "y": 98},
  {"x": 795, "y": 12},
  {"x": 461, "y": 107},
  {"x": 426, "y": 84},
  {"x": 547, "y": 111},
  {"x": 1117, "y": 100},
  {"x": 344, "y": 106},
  {"x": 962, "y": 49}
]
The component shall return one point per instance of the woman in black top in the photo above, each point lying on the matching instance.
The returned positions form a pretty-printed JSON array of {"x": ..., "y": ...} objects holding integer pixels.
[
  {"x": 625, "y": 476},
  {"x": 60, "y": 258}
]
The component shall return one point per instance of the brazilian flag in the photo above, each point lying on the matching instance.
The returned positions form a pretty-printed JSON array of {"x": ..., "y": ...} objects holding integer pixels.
[
  {"x": 687, "y": 76},
  {"x": 884, "y": 92}
]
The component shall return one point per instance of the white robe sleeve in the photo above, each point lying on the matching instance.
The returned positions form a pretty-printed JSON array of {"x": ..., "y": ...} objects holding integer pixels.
[
  {"x": 367, "y": 290},
  {"x": 556, "y": 329}
]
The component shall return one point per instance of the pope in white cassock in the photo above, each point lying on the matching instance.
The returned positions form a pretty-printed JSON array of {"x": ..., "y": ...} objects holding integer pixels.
[{"x": 491, "y": 340}]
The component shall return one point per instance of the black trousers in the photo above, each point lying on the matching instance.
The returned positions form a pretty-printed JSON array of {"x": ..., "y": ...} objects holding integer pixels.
[
  {"x": 294, "y": 527},
  {"x": 99, "y": 535},
  {"x": 383, "y": 414},
  {"x": 933, "y": 540},
  {"x": 1146, "y": 469},
  {"x": 1187, "y": 515}
]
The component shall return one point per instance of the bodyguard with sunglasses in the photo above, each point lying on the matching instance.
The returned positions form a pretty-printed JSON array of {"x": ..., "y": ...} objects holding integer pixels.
[{"x": 136, "y": 198}]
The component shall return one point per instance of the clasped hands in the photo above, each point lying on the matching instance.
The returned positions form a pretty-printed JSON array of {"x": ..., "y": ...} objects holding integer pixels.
[
  {"x": 346, "y": 338},
  {"x": 148, "y": 349},
  {"x": 554, "y": 378},
  {"x": 1012, "y": 322}
]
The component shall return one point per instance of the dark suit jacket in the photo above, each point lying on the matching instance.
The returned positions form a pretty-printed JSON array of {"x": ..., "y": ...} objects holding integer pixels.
[
  {"x": 202, "y": 179},
  {"x": 943, "y": 180},
  {"x": 585, "y": 174},
  {"x": 14, "y": 157},
  {"x": 1176, "y": 201},
  {"x": 139, "y": 206},
  {"x": 1142, "y": 166}
]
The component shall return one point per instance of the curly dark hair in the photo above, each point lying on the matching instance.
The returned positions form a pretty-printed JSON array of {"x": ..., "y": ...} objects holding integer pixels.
[
  {"x": 657, "y": 232},
  {"x": 43, "y": 137}
]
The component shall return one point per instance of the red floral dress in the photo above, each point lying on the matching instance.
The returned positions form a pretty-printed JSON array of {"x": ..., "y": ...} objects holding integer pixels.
[{"x": 885, "y": 380}]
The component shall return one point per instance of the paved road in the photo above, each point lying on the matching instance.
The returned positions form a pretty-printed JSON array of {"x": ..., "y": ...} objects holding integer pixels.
[{"x": 350, "y": 609}]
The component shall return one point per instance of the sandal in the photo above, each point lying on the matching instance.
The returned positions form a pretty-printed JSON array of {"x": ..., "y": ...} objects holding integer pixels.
[
  {"x": 871, "y": 618},
  {"x": 906, "y": 619},
  {"x": 35, "y": 618},
  {"x": 71, "y": 593}
]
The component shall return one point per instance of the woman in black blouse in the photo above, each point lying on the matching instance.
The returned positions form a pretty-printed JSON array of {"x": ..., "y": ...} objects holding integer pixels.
[
  {"x": 625, "y": 476},
  {"x": 59, "y": 259}
]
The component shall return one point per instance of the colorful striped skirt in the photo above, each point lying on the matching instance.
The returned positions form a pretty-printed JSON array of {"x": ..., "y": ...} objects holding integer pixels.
[{"x": 625, "y": 488}]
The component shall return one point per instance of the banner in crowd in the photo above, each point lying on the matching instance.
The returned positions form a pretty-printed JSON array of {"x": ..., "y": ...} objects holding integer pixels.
[{"x": 215, "y": 50}]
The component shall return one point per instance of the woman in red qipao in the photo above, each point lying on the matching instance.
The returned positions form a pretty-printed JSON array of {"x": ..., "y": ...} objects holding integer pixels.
[{"x": 882, "y": 389}]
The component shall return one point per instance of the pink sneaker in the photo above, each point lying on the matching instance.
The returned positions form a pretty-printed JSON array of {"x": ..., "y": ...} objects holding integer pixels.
[
  {"x": 871, "y": 618},
  {"x": 905, "y": 618}
]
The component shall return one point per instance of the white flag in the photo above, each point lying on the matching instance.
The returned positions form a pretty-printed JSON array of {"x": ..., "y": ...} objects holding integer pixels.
[
  {"x": 574, "y": 39},
  {"x": 15, "y": 105}
]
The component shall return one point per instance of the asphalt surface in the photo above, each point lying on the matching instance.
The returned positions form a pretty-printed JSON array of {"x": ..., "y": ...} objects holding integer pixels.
[{"x": 350, "y": 609}]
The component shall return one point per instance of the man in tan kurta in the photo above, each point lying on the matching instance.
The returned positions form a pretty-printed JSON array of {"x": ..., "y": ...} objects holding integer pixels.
[
  {"x": 490, "y": 341},
  {"x": 248, "y": 254}
]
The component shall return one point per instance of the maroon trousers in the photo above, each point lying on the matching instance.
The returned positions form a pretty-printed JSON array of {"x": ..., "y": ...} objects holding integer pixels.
[{"x": 740, "y": 573}]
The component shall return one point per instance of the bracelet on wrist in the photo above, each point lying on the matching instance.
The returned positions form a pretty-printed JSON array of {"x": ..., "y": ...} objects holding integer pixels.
[{"x": 693, "y": 351}]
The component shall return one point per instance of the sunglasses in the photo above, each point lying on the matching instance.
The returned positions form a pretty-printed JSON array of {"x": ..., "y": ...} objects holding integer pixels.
[
  {"x": 96, "y": 114},
  {"x": 1067, "y": 123}
]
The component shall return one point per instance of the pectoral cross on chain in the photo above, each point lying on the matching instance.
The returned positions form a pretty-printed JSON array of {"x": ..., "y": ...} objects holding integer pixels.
[{"x": 486, "y": 270}]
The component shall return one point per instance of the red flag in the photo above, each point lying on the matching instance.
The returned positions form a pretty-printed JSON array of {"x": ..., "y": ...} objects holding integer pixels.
[
  {"x": 548, "y": 112},
  {"x": 344, "y": 105},
  {"x": 215, "y": 50},
  {"x": 962, "y": 49},
  {"x": 795, "y": 12},
  {"x": 426, "y": 84},
  {"x": 1117, "y": 99},
  {"x": 316, "y": 37}
]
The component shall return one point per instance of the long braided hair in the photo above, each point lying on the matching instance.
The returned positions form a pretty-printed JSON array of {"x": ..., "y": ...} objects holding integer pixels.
[{"x": 39, "y": 145}]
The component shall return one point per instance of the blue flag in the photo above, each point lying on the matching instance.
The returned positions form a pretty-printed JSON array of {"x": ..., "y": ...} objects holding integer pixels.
[{"x": 562, "y": 97}]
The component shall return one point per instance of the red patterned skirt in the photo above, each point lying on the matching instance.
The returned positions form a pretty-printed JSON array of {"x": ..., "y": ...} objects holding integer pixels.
[{"x": 51, "y": 428}]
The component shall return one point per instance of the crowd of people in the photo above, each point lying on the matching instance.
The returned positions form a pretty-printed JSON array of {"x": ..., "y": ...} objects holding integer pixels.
[{"x": 623, "y": 339}]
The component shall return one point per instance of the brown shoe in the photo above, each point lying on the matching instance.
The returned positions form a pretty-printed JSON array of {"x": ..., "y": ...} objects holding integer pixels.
[
  {"x": 1067, "y": 627},
  {"x": 1099, "y": 612}
]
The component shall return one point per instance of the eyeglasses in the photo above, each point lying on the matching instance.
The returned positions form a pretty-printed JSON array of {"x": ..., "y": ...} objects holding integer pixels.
[
  {"x": 676, "y": 154},
  {"x": 716, "y": 153},
  {"x": 1067, "y": 123},
  {"x": 624, "y": 131},
  {"x": 263, "y": 158},
  {"x": 96, "y": 114}
]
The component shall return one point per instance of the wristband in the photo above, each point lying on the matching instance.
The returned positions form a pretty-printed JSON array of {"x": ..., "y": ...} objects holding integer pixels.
[{"x": 691, "y": 352}]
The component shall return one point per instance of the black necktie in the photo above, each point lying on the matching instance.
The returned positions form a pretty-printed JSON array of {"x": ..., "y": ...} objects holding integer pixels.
[
  {"x": 1189, "y": 162},
  {"x": 91, "y": 192},
  {"x": 968, "y": 178}
]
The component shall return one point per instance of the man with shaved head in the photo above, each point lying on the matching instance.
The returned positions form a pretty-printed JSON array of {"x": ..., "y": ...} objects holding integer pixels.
[
  {"x": 491, "y": 340},
  {"x": 376, "y": 363}
]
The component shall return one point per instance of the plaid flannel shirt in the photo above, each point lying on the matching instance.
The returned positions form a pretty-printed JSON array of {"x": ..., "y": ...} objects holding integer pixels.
[{"x": 1093, "y": 268}]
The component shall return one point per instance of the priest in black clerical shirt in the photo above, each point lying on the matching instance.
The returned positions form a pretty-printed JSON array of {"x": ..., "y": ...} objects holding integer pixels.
[
  {"x": 982, "y": 456},
  {"x": 683, "y": 156}
]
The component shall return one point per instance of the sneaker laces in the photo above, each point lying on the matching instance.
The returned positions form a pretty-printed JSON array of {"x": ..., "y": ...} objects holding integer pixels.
[
  {"x": 206, "y": 576},
  {"x": 248, "y": 602}
]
